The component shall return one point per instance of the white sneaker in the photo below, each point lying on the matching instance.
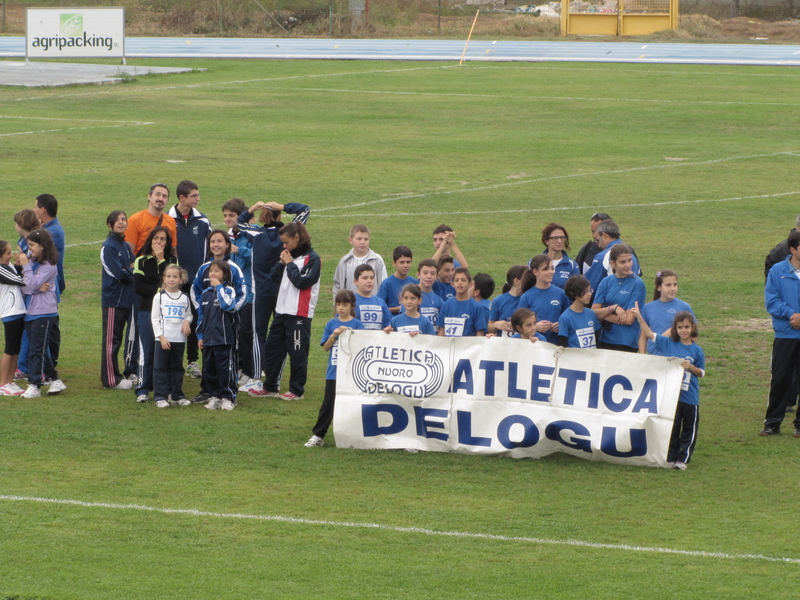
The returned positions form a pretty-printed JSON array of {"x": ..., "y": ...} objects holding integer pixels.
[
  {"x": 184, "y": 402},
  {"x": 250, "y": 384},
  {"x": 56, "y": 387},
  {"x": 133, "y": 378},
  {"x": 15, "y": 389},
  {"x": 314, "y": 441},
  {"x": 213, "y": 403},
  {"x": 124, "y": 384},
  {"x": 162, "y": 403},
  {"x": 5, "y": 390},
  {"x": 227, "y": 404},
  {"x": 193, "y": 369},
  {"x": 141, "y": 398},
  {"x": 243, "y": 379},
  {"x": 32, "y": 392}
]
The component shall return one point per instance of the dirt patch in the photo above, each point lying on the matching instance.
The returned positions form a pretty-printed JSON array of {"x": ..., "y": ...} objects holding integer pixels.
[{"x": 749, "y": 325}]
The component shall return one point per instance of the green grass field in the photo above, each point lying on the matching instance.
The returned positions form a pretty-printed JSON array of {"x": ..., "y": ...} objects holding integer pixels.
[{"x": 698, "y": 164}]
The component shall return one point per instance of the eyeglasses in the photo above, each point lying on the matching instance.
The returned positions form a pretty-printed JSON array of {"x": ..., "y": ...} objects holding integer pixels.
[{"x": 557, "y": 238}]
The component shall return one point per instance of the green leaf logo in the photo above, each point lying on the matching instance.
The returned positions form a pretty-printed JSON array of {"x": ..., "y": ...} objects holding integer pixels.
[{"x": 71, "y": 25}]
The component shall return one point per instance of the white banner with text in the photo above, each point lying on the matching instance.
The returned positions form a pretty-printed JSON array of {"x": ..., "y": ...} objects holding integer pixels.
[
  {"x": 75, "y": 33},
  {"x": 503, "y": 396}
]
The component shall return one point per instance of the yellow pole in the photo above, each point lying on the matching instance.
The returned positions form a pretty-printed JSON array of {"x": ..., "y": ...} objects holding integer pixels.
[{"x": 469, "y": 37}]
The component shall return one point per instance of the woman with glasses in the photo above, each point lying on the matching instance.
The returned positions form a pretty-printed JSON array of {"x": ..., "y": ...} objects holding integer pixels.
[{"x": 556, "y": 241}]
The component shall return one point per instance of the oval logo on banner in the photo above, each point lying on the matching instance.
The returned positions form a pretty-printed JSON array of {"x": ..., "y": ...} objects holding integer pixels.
[{"x": 409, "y": 373}]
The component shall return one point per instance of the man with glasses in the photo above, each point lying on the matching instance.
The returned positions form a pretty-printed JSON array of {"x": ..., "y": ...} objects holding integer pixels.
[
  {"x": 193, "y": 229},
  {"x": 590, "y": 249},
  {"x": 607, "y": 236}
]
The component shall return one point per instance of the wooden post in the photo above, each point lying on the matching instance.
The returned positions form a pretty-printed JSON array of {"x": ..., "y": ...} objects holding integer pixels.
[{"x": 469, "y": 37}]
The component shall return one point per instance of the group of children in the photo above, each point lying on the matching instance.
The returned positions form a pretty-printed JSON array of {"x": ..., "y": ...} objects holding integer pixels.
[
  {"x": 29, "y": 308},
  {"x": 255, "y": 272},
  {"x": 547, "y": 300}
]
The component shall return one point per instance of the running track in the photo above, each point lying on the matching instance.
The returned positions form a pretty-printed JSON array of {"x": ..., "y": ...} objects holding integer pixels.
[{"x": 448, "y": 50}]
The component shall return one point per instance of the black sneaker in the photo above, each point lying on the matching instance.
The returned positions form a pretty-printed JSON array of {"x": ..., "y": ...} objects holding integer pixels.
[
  {"x": 769, "y": 430},
  {"x": 200, "y": 398},
  {"x": 797, "y": 432}
]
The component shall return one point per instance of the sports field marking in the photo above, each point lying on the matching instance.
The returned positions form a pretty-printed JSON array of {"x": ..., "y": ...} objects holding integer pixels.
[
  {"x": 110, "y": 124},
  {"x": 559, "y": 208},
  {"x": 738, "y": 72},
  {"x": 553, "y": 178},
  {"x": 109, "y": 92},
  {"x": 417, "y": 530},
  {"x": 569, "y": 98}
]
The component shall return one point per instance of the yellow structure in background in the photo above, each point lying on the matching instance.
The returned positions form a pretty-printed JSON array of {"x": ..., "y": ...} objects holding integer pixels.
[{"x": 618, "y": 17}]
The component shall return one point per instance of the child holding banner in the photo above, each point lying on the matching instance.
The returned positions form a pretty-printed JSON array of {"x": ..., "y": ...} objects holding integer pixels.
[
  {"x": 659, "y": 313},
  {"x": 345, "y": 301},
  {"x": 523, "y": 321},
  {"x": 680, "y": 343},
  {"x": 507, "y": 302},
  {"x": 410, "y": 321}
]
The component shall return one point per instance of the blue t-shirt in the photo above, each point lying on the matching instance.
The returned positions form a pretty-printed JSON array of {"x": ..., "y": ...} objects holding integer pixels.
[
  {"x": 565, "y": 268},
  {"x": 690, "y": 386},
  {"x": 659, "y": 316},
  {"x": 333, "y": 355},
  {"x": 536, "y": 334},
  {"x": 372, "y": 312},
  {"x": 445, "y": 291},
  {"x": 391, "y": 288},
  {"x": 502, "y": 308},
  {"x": 486, "y": 305},
  {"x": 579, "y": 328},
  {"x": 625, "y": 292},
  {"x": 462, "y": 318},
  {"x": 430, "y": 307},
  {"x": 405, "y": 324},
  {"x": 548, "y": 304}
]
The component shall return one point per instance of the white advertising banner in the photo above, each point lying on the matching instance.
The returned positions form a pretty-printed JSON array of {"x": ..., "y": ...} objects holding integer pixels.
[
  {"x": 75, "y": 33},
  {"x": 503, "y": 396}
]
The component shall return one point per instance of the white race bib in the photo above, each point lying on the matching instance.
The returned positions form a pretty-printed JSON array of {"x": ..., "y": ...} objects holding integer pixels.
[
  {"x": 454, "y": 326},
  {"x": 431, "y": 313},
  {"x": 371, "y": 316},
  {"x": 408, "y": 328},
  {"x": 586, "y": 337}
]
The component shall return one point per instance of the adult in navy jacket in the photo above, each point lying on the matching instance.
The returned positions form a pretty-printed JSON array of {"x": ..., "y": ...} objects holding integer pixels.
[
  {"x": 192, "y": 228},
  {"x": 117, "y": 259},
  {"x": 782, "y": 301},
  {"x": 266, "y": 248}
]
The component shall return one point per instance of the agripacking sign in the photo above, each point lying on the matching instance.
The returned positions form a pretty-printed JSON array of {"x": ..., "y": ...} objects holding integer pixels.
[{"x": 75, "y": 33}]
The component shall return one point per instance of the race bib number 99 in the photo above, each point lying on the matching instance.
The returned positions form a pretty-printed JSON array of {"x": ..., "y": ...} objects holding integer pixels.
[{"x": 371, "y": 316}]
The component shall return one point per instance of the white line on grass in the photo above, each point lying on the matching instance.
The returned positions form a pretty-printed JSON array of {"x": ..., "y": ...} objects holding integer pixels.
[
  {"x": 551, "y": 178},
  {"x": 119, "y": 124},
  {"x": 568, "y": 98},
  {"x": 559, "y": 208},
  {"x": 156, "y": 88},
  {"x": 738, "y": 72},
  {"x": 419, "y": 530},
  {"x": 73, "y": 120}
]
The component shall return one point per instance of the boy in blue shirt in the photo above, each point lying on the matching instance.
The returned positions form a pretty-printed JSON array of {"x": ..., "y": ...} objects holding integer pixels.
[
  {"x": 391, "y": 287},
  {"x": 462, "y": 316},
  {"x": 482, "y": 289},
  {"x": 444, "y": 285},
  {"x": 370, "y": 310},
  {"x": 427, "y": 271}
]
